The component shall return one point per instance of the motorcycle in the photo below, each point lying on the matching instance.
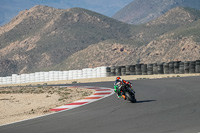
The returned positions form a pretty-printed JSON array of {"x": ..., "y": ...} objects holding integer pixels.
[{"x": 127, "y": 93}]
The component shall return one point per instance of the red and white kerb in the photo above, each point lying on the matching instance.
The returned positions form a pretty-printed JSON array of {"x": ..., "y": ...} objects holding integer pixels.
[{"x": 100, "y": 93}]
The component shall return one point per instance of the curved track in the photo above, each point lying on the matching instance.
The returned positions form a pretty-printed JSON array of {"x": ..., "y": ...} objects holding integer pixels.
[{"x": 164, "y": 106}]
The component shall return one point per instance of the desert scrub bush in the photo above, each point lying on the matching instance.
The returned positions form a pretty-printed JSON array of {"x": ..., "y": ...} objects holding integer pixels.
[
  {"x": 66, "y": 93},
  {"x": 63, "y": 98},
  {"x": 47, "y": 96},
  {"x": 45, "y": 84},
  {"x": 38, "y": 91},
  {"x": 20, "y": 91},
  {"x": 61, "y": 88},
  {"x": 86, "y": 94},
  {"x": 74, "y": 82},
  {"x": 50, "y": 92},
  {"x": 5, "y": 92},
  {"x": 32, "y": 89},
  {"x": 27, "y": 91},
  {"x": 39, "y": 86}
]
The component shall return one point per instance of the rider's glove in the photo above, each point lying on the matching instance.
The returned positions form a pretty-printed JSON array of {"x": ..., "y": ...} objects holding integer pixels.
[{"x": 130, "y": 84}]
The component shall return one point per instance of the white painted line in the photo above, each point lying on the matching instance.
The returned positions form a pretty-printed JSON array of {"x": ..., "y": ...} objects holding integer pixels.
[{"x": 67, "y": 106}]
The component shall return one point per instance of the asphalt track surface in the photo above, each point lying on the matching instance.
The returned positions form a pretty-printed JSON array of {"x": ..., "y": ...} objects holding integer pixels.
[{"x": 164, "y": 106}]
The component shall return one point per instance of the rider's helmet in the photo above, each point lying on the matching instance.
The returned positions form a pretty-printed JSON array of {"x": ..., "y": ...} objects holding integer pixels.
[{"x": 118, "y": 79}]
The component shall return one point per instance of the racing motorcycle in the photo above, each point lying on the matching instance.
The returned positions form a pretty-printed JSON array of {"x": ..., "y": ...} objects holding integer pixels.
[{"x": 127, "y": 93}]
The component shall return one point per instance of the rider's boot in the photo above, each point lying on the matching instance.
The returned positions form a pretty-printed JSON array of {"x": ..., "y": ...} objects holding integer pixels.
[{"x": 119, "y": 95}]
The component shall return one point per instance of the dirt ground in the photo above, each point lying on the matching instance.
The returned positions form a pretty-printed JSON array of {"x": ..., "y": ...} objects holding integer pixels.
[{"x": 20, "y": 103}]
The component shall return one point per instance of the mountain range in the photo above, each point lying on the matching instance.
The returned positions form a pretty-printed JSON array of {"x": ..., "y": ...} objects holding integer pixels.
[
  {"x": 45, "y": 38},
  {"x": 172, "y": 37},
  {"x": 142, "y": 11}
]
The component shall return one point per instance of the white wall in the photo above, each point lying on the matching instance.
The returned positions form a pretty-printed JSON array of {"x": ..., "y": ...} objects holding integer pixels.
[{"x": 54, "y": 76}]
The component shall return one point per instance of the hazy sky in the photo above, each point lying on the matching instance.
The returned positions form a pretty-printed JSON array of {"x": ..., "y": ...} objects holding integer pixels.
[{"x": 10, "y": 8}]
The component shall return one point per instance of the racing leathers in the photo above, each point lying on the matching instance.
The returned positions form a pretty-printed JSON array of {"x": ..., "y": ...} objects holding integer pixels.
[{"x": 119, "y": 86}]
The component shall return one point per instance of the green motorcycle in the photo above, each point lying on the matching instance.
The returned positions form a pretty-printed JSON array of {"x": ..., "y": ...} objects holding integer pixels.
[{"x": 126, "y": 93}]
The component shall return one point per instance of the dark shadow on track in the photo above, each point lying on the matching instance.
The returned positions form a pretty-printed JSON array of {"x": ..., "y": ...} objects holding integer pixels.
[{"x": 145, "y": 101}]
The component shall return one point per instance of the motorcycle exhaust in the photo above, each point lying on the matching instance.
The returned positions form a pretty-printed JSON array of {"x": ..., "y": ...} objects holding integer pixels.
[{"x": 124, "y": 97}]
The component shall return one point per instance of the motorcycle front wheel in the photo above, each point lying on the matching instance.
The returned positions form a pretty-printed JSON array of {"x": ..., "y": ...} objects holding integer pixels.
[{"x": 130, "y": 97}]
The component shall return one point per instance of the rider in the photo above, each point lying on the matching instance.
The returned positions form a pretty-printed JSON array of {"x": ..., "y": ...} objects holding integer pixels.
[{"x": 120, "y": 83}]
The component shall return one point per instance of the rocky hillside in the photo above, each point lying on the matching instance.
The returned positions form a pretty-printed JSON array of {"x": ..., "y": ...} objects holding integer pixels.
[
  {"x": 176, "y": 18},
  {"x": 44, "y": 39},
  {"x": 142, "y": 11},
  {"x": 109, "y": 54},
  {"x": 41, "y": 37},
  {"x": 172, "y": 37}
]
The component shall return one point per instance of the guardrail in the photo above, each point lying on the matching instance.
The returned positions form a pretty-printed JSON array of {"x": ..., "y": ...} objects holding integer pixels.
[{"x": 176, "y": 67}]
